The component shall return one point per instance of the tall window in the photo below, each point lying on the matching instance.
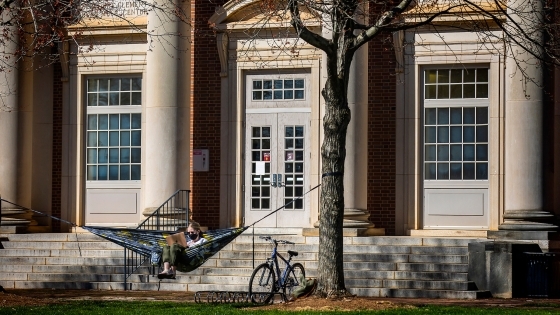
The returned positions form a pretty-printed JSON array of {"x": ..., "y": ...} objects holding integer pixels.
[
  {"x": 114, "y": 121},
  {"x": 456, "y": 131}
]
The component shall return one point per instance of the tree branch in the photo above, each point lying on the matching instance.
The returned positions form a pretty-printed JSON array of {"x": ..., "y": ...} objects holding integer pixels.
[
  {"x": 304, "y": 33},
  {"x": 382, "y": 21},
  {"x": 404, "y": 27}
]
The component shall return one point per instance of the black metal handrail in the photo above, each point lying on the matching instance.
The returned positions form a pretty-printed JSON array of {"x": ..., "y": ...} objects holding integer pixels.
[{"x": 170, "y": 216}]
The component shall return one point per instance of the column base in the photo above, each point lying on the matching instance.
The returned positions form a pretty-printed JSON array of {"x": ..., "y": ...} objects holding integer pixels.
[
  {"x": 354, "y": 218},
  {"x": 511, "y": 225},
  {"x": 355, "y": 224},
  {"x": 534, "y": 215},
  {"x": 528, "y": 220},
  {"x": 522, "y": 235}
]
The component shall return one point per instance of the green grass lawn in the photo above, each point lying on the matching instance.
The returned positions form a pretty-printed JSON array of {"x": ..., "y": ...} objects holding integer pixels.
[{"x": 170, "y": 308}]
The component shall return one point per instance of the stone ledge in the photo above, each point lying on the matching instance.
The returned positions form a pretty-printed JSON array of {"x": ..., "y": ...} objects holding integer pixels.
[
  {"x": 348, "y": 232},
  {"x": 447, "y": 233},
  {"x": 13, "y": 229}
]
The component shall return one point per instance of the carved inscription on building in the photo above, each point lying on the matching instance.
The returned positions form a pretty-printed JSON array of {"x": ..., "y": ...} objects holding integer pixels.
[
  {"x": 131, "y": 8},
  {"x": 124, "y": 9}
]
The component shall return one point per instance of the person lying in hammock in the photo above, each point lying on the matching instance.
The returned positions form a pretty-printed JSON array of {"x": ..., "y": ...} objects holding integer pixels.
[{"x": 172, "y": 253}]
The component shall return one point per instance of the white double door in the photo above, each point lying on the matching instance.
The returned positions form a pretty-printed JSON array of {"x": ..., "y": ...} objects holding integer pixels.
[{"x": 277, "y": 158}]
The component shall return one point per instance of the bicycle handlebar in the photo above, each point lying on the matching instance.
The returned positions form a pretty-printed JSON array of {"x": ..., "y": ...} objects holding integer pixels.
[{"x": 274, "y": 241}]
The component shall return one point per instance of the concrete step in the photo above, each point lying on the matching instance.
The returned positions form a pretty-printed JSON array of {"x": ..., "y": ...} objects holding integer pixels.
[
  {"x": 95, "y": 245},
  {"x": 374, "y": 266},
  {"x": 370, "y": 274},
  {"x": 217, "y": 287},
  {"x": 53, "y": 237},
  {"x": 61, "y": 253},
  {"x": 262, "y": 256},
  {"x": 432, "y": 267},
  {"x": 420, "y": 293},
  {"x": 401, "y": 258},
  {"x": 429, "y": 285},
  {"x": 143, "y": 286},
  {"x": 246, "y": 247},
  {"x": 363, "y": 248},
  {"x": 452, "y": 276},
  {"x": 409, "y": 284}
]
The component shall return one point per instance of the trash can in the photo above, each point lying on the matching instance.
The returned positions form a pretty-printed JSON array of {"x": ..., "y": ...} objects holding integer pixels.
[{"x": 541, "y": 274}]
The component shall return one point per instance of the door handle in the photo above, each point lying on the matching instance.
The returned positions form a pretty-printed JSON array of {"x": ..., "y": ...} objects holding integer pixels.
[
  {"x": 276, "y": 181},
  {"x": 273, "y": 182}
]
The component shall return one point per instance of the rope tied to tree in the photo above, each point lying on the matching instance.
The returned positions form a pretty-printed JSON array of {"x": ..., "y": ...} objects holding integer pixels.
[{"x": 332, "y": 174}]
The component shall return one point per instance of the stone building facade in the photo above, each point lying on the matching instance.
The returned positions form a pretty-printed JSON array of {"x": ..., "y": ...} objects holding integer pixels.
[{"x": 442, "y": 141}]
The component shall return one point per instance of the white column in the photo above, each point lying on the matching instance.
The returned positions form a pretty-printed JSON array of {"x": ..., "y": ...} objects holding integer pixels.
[
  {"x": 355, "y": 165},
  {"x": 8, "y": 119},
  {"x": 523, "y": 127},
  {"x": 161, "y": 108}
]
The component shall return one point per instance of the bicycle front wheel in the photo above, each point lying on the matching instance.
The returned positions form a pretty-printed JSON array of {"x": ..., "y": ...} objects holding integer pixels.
[
  {"x": 261, "y": 285},
  {"x": 293, "y": 280}
]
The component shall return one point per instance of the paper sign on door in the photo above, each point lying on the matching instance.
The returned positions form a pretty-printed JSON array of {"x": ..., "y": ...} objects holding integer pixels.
[{"x": 259, "y": 168}]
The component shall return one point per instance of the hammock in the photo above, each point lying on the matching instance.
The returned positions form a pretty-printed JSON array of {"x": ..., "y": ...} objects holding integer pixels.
[{"x": 150, "y": 243}]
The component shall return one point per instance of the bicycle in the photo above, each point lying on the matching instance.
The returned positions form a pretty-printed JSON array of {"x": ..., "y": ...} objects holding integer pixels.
[{"x": 263, "y": 284}]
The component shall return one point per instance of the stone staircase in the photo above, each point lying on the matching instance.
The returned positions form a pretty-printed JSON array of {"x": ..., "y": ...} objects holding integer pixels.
[{"x": 380, "y": 266}]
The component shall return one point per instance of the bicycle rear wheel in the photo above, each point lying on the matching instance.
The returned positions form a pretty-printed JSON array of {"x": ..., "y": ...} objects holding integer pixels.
[
  {"x": 261, "y": 285},
  {"x": 293, "y": 279}
]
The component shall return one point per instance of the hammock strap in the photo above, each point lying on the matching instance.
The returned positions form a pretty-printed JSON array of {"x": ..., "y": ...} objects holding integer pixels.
[{"x": 284, "y": 206}]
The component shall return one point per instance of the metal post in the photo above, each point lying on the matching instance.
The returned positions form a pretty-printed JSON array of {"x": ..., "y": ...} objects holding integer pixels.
[{"x": 125, "y": 265}]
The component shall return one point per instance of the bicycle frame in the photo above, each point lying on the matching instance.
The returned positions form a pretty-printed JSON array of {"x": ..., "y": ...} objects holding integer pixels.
[
  {"x": 261, "y": 287},
  {"x": 276, "y": 267}
]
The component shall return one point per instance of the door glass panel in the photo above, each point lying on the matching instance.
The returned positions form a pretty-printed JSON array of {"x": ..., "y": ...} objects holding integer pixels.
[
  {"x": 260, "y": 168},
  {"x": 294, "y": 171}
]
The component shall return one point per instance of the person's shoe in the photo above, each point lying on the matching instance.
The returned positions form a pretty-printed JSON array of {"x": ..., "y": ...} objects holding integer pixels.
[
  {"x": 171, "y": 274},
  {"x": 164, "y": 275}
]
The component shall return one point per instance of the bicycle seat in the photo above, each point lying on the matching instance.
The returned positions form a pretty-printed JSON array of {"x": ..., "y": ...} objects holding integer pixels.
[{"x": 292, "y": 253}]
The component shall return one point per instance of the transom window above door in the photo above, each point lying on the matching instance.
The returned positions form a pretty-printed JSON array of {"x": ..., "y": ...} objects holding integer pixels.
[{"x": 283, "y": 89}]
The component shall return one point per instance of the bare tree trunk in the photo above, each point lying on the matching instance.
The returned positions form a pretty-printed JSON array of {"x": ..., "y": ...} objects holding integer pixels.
[{"x": 333, "y": 153}]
